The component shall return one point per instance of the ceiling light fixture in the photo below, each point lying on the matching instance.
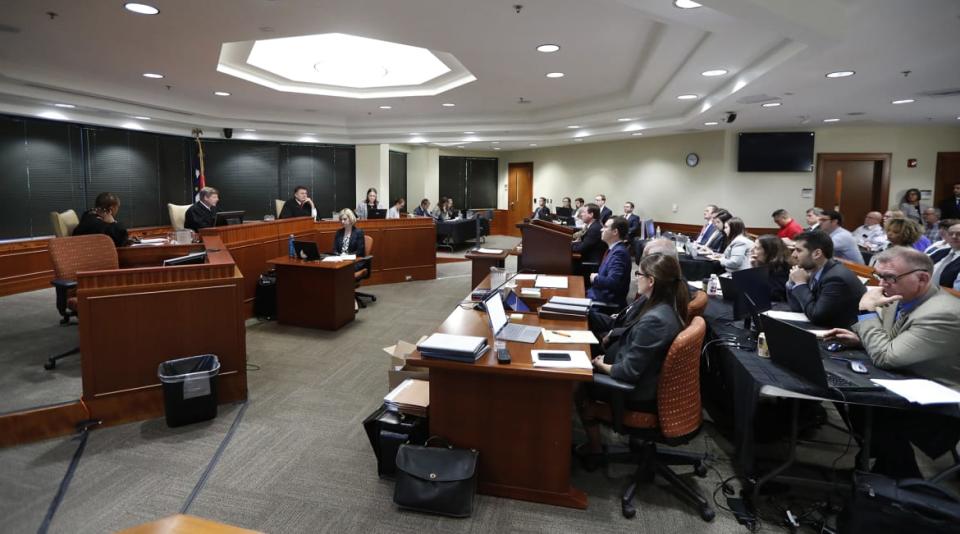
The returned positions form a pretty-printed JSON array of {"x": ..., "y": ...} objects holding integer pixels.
[
  {"x": 67, "y": 106},
  {"x": 772, "y": 104},
  {"x": 831, "y": 120},
  {"x": 386, "y": 107},
  {"x": 221, "y": 93},
  {"x": 141, "y": 9},
  {"x": 469, "y": 133},
  {"x": 687, "y": 97},
  {"x": 132, "y": 126},
  {"x": 533, "y": 144},
  {"x": 414, "y": 133},
  {"x": 573, "y": 126},
  {"x": 141, "y": 117},
  {"x": 686, "y": 4},
  {"x": 153, "y": 75},
  {"x": 249, "y": 130},
  {"x": 840, "y": 74},
  {"x": 548, "y": 48},
  {"x": 498, "y": 142},
  {"x": 448, "y": 104},
  {"x": 496, "y": 148},
  {"x": 904, "y": 101},
  {"x": 637, "y": 133},
  {"x": 711, "y": 123},
  {"x": 555, "y": 75},
  {"x": 714, "y": 72},
  {"x": 626, "y": 119}
]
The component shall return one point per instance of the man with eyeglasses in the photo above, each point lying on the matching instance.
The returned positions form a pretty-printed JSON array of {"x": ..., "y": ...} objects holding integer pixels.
[
  {"x": 908, "y": 323},
  {"x": 819, "y": 286},
  {"x": 945, "y": 271}
]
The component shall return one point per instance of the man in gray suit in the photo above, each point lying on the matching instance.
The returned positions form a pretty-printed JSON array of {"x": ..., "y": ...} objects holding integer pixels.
[{"x": 908, "y": 323}]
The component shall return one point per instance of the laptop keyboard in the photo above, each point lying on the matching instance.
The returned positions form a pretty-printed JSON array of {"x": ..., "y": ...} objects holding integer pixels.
[
  {"x": 516, "y": 330},
  {"x": 839, "y": 382}
]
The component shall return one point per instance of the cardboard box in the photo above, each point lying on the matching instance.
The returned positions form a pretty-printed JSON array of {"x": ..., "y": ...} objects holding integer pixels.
[{"x": 399, "y": 370}]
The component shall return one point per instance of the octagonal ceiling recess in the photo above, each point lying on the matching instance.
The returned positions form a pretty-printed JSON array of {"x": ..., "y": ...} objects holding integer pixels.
[{"x": 343, "y": 65}]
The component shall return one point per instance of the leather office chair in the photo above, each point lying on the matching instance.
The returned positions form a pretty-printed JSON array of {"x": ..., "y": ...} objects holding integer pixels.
[
  {"x": 697, "y": 306},
  {"x": 70, "y": 255},
  {"x": 178, "y": 215},
  {"x": 64, "y": 223},
  {"x": 676, "y": 421},
  {"x": 278, "y": 206},
  {"x": 364, "y": 272}
]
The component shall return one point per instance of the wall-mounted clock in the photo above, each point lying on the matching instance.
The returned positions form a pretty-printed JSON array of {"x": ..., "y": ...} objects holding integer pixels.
[{"x": 693, "y": 159}]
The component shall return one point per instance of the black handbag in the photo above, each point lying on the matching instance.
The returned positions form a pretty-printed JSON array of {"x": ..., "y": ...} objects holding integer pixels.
[
  {"x": 436, "y": 480},
  {"x": 882, "y": 504}
]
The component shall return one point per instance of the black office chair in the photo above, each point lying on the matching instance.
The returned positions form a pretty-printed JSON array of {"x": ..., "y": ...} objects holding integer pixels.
[{"x": 361, "y": 274}]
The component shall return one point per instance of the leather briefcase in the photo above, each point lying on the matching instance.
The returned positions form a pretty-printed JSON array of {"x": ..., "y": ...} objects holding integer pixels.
[{"x": 436, "y": 480}]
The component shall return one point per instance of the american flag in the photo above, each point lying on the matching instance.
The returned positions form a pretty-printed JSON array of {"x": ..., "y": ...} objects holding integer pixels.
[{"x": 199, "y": 180}]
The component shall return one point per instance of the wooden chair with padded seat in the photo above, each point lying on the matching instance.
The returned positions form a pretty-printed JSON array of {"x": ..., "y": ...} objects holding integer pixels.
[
  {"x": 364, "y": 272},
  {"x": 64, "y": 223},
  {"x": 278, "y": 206},
  {"x": 677, "y": 420},
  {"x": 178, "y": 215},
  {"x": 697, "y": 305},
  {"x": 69, "y": 256}
]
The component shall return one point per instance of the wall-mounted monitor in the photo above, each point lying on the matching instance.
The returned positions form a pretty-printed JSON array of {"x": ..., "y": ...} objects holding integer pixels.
[{"x": 775, "y": 152}]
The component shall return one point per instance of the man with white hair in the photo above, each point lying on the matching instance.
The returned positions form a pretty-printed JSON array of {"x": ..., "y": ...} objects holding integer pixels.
[{"x": 870, "y": 234}]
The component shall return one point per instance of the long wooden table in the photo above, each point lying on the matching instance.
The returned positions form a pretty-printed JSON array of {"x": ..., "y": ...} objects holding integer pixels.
[
  {"x": 314, "y": 294},
  {"x": 519, "y": 417}
]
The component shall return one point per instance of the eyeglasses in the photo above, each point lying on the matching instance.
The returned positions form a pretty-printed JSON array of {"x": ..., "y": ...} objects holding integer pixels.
[
  {"x": 955, "y": 235},
  {"x": 639, "y": 273},
  {"x": 894, "y": 278}
]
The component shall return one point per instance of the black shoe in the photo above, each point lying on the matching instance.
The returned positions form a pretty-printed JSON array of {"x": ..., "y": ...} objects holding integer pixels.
[{"x": 590, "y": 461}]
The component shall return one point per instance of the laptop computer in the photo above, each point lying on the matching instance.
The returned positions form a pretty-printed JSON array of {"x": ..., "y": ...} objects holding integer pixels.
[
  {"x": 376, "y": 214},
  {"x": 306, "y": 250},
  {"x": 799, "y": 352},
  {"x": 564, "y": 212},
  {"x": 504, "y": 330},
  {"x": 753, "y": 285}
]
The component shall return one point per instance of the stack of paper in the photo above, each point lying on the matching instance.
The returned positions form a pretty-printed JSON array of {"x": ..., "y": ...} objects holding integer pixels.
[
  {"x": 921, "y": 391},
  {"x": 342, "y": 257},
  {"x": 572, "y": 301},
  {"x": 411, "y": 397},
  {"x": 555, "y": 282},
  {"x": 564, "y": 309},
  {"x": 578, "y": 359},
  {"x": 453, "y": 347}
]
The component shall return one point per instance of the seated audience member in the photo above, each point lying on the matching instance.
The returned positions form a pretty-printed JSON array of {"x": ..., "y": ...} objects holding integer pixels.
[
  {"x": 301, "y": 205},
  {"x": 605, "y": 212},
  {"x": 203, "y": 213},
  {"x": 718, "y": 240},
  {"x": 423, "y": 210},
  {"x": 770, "y": 252},
  {"x": 788, "y": 226},
  {"x": 870, "y": 234},
  {"x": 565, "y": 203},
  {"x": 102, "y": 220},
  {"x": 911, "y": 206},
  {"x": 821, "y": 287},
  {"x": 541, "y": 211},
  {"x": 637, "y": 356},
  {"x": 612, "y": 281},
  {"x": 397, "y": 208},
  {"x": 931, "y": 228},
  {"x": 440, "y": 212},
  {"x": 950, "y": 207},
  {"x": 349, "y": 238},
  {"x": 736, "y": 256},
  {"x": 908, "y": 324},
  {"x": 892, "y": 214},
  {"x": 844, "y": 244},
  {"x": 947, "y": 268},
  {"x": 368, "y": 204},
  {"x": 708, "y": 229},
  {"x": 452, "y": 212},
  {"x": 590, "y": 245},
  {"x": 578, "y": 207},
  {"x": 633, "y": 220},
  {"x": 941, "y": 247},
  {"x": 813, "y": 218},
  {"x": 905, "y": 233}
]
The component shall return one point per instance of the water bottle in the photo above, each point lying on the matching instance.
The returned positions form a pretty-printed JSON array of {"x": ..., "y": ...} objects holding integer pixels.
[
  {"x": 292, "y": 251},
  {"x": 658, "y": 231},
  {"x": 713, "y": 285}
]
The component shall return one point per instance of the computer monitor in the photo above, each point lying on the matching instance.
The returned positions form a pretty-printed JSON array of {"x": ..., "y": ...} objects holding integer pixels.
[
  {"x": 564, "y": 212},
  {"x": 753, "y": 287},
  {"x": 306, "y": 250},
  {"x": 189, "y": 259},
  {"x": 225, "y": 218},
  {"x": 648, "y": 228},
  {"x": 376, "y": 214}
]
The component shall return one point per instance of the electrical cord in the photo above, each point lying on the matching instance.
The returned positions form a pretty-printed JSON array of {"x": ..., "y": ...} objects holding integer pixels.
[
  {"x": 216, "y": 458},
  {"x": 84, "y": 428}
]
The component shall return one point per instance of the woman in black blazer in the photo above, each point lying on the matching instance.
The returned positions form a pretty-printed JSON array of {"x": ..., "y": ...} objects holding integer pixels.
[
  {"x": 349, "y": 239},
  {"x": 769, "y": 251}
]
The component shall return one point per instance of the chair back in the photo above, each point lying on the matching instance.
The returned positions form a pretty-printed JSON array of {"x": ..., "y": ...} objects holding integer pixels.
[
  {"x": 860, "y": 269},
  {"x": 63, "y": 223},
  {"x": 278, "y": 206},
  {"x": 678, "y": 389},
  {"x": 697, "y": 305},
  {"x": 178, "y": 215},
  {"x": 69, "y": 255},
  {"x": 368, "y": 244}
]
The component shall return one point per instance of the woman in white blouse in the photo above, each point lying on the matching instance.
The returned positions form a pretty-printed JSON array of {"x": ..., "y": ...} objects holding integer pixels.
[{"x": 736, "y": 257}]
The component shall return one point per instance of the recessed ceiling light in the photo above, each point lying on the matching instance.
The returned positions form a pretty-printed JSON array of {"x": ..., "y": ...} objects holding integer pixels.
[
  {"x": 573, "y": 126},
  {"x": 533, "y": 144},
  {"x": 687, "y": 97},
  {"x": 386, "y": 107},
  {"x": 414, "y": 133},
  {"x": 840, "y": 74},
  {"x": 714, "y": 72},
  {"x": 249, "y": 130},
  {"x": 554, "y": 75},
  {"x": 831, "y": 120},
  {"x": 132, "y": 126},
  {"x": 686, "y": 4},
  {"x": 448, "y": 104},
  {"x": 67, "y": 106},
  {"x": 141, "y": 117},
  {"x": 152, "y": 75},
  {"x": 625, "y": 119},
  {"x": 494, "y": 142},
  {"x": 221, "y": 93},
  {"x": 141, "y": 9},
  {"x": 904, "y": 101},
  {"x": 637, "y": 133},
  {"x": 309, "y": 133},
  {"x": 772, "y": 104},
  {"x": 711, "y": 123},
  {"x": 548, "y": 48},
  {"x": 496, "y": 148},
  {"x": 469, "y": 133}
]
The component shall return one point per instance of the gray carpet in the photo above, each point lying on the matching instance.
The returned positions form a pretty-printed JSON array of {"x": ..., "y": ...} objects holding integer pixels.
[{"x": 299, "y": 461}]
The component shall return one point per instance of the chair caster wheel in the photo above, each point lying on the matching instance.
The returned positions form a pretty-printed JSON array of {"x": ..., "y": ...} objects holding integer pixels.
[
  {"x": 700, "y": 470},
  {"x": 707, "y": 514},
  {"x": 50, "y": 365},
  {"x": 374, "y": 299},
  {"x": 628, "y": 510}
]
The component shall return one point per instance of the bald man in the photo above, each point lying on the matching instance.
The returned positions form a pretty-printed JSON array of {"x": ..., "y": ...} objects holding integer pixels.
[{"x": 870, "y": 235}]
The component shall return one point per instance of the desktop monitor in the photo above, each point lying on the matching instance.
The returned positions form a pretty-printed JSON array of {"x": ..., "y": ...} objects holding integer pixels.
[
  {"x": 564, "y": 212},
  {"x": 189, "y": 259},
  {"x": 753, "y": 296},
  {"x": 376, "y": 214},
  {"x": 225, "y": 218}
]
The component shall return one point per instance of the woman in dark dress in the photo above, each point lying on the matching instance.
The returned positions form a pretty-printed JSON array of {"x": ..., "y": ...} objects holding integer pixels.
[{"x": 769, "y": 251}]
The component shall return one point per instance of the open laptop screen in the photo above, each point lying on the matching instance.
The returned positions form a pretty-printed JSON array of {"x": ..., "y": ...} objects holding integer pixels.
[{"x": 494, "y": 307}]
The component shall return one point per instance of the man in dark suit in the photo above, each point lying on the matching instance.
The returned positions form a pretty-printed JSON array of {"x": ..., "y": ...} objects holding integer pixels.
[
  {"x": 590, "y": 245},
  {"x": 203, "y": 214},
  {"x": 612, "y": 281},
  {"x": 947, "y": 267},
  {"x": 423, "y": 210},
  {"x": 819, "y": 286},
  {"x": 633, "y": 220},
  {"x": 950, "y": 207},
  {"x": 542, "y": 211},
  {"x": 706, "y": 232},
  {"x": 101, "y": 220},
  {"x": 301, "y": 205},
  {"x": 605, "y": 212}
]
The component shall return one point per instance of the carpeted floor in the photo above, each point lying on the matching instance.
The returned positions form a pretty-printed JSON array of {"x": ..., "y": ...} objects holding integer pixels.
[{"x": 299, "y": 460}]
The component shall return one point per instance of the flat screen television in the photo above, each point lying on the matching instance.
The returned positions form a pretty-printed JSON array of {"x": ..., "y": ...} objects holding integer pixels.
[{"x": 775, "y": 152}]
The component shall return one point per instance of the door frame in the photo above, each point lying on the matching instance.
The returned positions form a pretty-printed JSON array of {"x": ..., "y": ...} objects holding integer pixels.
[
  {"x": 942, "y": 188},
  {"x": 512, "y": 225},
  {"x": 885, "y": 158}
]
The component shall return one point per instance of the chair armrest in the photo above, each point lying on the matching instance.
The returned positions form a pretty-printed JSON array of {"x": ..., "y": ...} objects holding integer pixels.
[
  {"x": 365, "y": 262},
  {"x": 608, "y": 308},
  {"x": 63, "y": 291},
  {"x": 618, "y": 393},
  {"x": 611, "y": 383},
  {"x": 62, "y": 284}
]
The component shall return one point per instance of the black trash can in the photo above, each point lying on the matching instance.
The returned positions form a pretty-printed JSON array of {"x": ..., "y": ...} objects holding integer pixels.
[{"x": 190, "y": 389}]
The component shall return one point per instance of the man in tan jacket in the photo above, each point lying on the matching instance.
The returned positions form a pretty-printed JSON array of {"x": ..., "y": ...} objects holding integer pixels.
[{"x": 910, "y": 324}]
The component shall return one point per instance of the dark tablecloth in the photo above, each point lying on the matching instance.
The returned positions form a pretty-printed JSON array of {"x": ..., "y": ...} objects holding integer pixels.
[{"x": 696, "y": 270}]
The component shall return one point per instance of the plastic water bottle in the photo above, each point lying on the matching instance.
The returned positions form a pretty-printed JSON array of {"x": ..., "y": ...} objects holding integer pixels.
[
  {"x": 292, "y": 251},
  {"x": 658, "y": 231},
  {"x": 713, "y": 285}
]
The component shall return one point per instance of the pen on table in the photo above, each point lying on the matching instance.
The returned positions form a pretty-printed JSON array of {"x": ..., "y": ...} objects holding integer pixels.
[{"x": 561, "y": 334}]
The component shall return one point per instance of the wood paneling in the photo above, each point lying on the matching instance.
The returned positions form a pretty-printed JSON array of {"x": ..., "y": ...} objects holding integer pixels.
[
  {"x": 314, "y": 294},
  {"x": 546, "y": 247},
  {"x": 500, "y": 224}
]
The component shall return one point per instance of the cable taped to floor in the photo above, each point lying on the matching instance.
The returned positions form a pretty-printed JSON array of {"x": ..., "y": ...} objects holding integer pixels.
[{"x": 215, "y": 459}]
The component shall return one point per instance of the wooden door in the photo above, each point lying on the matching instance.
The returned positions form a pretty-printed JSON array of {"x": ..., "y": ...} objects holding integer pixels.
[
  {"x": 519, "y": 195},
  {"x": 948, "y": 173},
  {"x": 858, "y": 183}
]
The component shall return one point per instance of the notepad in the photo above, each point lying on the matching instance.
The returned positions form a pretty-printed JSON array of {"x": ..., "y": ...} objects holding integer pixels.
[
  {"x": 578, "y": 359},
  {"x": 342, "y": 257},
  {"x": 921, "y": 391},
  {"x": 554, "y": 282},
  {"x": 570, "y": 336},
  {"x": 525, "y": 276},
  {"x": 489, "y": 250}
]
